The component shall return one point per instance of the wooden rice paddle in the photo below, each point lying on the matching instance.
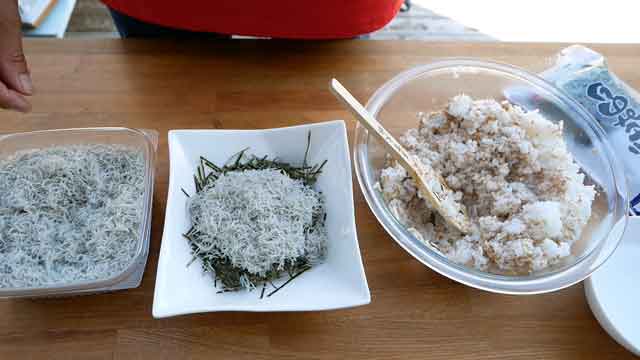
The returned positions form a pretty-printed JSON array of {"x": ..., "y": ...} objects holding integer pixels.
[{"x": 431, "y": 184}]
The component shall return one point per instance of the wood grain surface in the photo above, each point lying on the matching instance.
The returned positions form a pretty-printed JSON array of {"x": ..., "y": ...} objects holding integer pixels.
[{"x": 414, "y": 314}]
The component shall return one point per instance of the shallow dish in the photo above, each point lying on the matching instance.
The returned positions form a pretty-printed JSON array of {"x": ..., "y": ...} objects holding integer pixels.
[
  {"x": 613, "y": 293},
  {"x": 338, "y": 282},
  {"x": 428, "y": 88}
]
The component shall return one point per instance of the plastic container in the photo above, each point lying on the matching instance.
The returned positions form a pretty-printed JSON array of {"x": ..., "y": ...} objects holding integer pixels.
[
  {"x": 147, "y": 141},
  {"x": 429, "y": 87}
]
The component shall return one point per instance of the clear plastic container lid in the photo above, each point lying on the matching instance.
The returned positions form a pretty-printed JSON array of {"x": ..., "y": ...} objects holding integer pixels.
[{"x": 145, "y": 141}]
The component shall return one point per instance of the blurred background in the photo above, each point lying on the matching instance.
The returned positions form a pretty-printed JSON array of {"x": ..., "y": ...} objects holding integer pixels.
[
  {"x": 90, "y": 18},
  {"x": 591, "y": 21}
]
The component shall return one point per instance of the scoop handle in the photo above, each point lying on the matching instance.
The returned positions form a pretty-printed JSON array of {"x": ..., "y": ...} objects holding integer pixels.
[
  {"x": 368, "y": 121},
  {"x": 418, "y": 171}
]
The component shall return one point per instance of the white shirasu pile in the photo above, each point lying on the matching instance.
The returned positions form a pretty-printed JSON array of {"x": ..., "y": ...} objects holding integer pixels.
[
  {"x": 69, "y": 214},
  {"x": 258, "y": 218}
]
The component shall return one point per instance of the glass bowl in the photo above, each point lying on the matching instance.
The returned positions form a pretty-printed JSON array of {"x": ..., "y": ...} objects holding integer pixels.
[{"x": 428, "y": 88}]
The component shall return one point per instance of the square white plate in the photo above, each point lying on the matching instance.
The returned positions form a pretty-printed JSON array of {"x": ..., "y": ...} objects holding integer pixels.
[{"x": 338, "y": 282}]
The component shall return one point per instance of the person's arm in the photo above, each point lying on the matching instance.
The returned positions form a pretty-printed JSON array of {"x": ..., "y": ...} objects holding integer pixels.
[{"x": 15, "y": 80}]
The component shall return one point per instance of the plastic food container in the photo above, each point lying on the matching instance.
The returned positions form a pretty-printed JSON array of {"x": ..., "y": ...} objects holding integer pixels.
[
  {"x": 429, "y": 87},
  {"x": 145, "y": 140}
]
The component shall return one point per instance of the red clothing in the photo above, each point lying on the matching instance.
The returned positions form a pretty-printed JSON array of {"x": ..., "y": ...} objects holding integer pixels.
[{"x": 294, "y": 19}]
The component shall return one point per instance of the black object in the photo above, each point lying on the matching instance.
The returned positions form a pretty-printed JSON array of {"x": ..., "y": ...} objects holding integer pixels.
[
  {"x": 129, "y": 27},
  {"x": 406, "y": 6}
]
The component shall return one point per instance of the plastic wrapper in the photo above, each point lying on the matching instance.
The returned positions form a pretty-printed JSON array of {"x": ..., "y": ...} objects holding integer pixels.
[{"x": 585, "y": 75}]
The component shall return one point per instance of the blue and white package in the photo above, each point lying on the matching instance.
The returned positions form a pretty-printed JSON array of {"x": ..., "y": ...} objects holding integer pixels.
[{"x": 585, "y": 75}]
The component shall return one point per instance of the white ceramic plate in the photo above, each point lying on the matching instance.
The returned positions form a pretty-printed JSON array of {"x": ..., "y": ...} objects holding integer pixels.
[
  {"x": 613, "y": 291},
  {"x": 338, "y": 282}
]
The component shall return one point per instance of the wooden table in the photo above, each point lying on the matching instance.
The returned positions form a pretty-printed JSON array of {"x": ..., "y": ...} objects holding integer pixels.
[{"x": 414, "y": 313}]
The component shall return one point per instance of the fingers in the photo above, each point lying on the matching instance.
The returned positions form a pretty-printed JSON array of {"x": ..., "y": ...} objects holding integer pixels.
[
  {"x": 12, "y": 100},
  {"x": 14, "y": 72},
  {"x": 15, "y": 80}
]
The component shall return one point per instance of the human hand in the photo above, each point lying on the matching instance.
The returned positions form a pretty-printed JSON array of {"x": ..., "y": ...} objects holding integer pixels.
[{"x": 15, "y": 79}]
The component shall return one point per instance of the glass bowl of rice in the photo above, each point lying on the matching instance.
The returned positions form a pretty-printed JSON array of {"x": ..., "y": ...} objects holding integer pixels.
[{"x": 502, "y": 260}]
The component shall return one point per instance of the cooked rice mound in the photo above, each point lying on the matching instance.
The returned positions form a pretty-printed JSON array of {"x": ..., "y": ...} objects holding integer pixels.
[{"x": 510, "y": 168}]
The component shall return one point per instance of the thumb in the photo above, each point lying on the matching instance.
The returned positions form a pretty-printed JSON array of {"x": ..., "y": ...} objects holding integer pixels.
[{"x": 14, "y": 71}]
